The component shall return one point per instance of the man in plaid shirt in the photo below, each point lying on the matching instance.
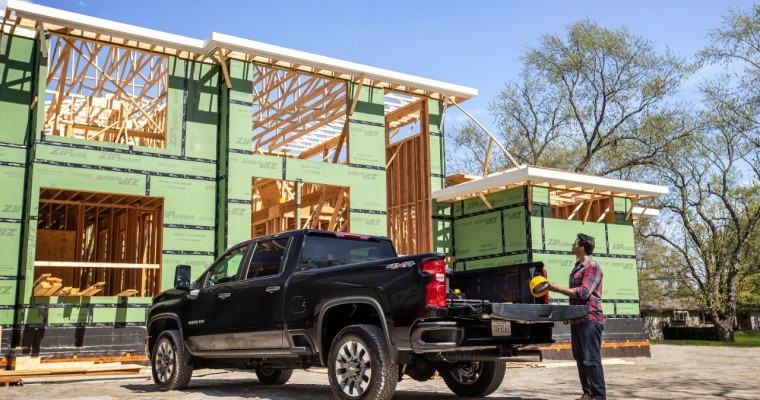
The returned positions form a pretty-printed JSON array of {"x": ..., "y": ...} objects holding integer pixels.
[{"x": 586, "y": 333}]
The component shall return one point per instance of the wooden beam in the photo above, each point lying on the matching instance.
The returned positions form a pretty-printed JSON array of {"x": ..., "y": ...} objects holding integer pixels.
[
  {"x": 483, "y": 198},
  {"x": 358, "y": 92},
  {"x": 43, "y": 39},
  {"x": 401, "y": 112},
  {"x": 72, "y": 264},
  {"x": 630, "y": 210},
  {"x": 222, "y": 61}
]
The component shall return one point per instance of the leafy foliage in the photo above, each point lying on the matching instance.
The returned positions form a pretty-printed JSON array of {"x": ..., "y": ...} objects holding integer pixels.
[{"x": 592, "y": 102}]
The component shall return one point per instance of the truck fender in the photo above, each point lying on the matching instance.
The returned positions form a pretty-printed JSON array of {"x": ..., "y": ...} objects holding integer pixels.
[
  {"x": 159, "y": 317},
  {"x": 351, "y": 300}
]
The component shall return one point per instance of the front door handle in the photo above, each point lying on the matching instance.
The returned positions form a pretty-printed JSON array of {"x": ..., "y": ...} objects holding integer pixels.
[
  {"x": 224, "y": 295},
  {"x": 273, "y": 289}
]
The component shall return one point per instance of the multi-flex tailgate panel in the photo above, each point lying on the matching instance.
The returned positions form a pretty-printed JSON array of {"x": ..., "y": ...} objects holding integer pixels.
[{"x": 537, "y": 312}]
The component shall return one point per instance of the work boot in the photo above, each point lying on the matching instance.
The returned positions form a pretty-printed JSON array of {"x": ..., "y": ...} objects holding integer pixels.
[{"x": 586, "y": 396}]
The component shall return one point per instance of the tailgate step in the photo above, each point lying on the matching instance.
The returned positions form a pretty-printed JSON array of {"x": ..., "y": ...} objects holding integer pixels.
[{"x": 537, "y": 312}]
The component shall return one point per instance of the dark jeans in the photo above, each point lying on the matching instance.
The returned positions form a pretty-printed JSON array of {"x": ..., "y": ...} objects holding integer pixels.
[{"x": 587, "y": 351}]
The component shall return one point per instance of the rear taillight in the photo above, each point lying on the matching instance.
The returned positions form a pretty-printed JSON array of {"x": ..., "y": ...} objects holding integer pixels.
[
  {"x": 435, "y": 291},
  {"x": 546, "y": 296}
]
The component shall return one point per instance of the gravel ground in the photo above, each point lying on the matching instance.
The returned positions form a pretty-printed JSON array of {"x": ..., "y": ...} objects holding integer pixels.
[{"x": 673, "y": 372}]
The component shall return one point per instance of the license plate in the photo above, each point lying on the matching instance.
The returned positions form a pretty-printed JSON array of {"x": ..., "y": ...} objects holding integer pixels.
[{"x": 501, "y": 328}]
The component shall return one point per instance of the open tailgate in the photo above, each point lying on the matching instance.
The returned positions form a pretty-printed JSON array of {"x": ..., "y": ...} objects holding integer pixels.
[{"x": 537, "y": 312}]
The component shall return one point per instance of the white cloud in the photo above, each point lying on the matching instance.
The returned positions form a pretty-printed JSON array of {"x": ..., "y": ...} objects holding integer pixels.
[{"x": 81, "y": 3}]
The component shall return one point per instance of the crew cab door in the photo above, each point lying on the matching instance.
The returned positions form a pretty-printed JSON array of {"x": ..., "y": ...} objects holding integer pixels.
[
  {"x": 206, "y": 318},
  {"x": 257, "y": 319}
]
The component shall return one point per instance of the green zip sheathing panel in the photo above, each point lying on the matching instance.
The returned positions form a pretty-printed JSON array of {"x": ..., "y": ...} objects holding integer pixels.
[
  {"x": 366, "y": 127},
  {"x": 17, "y": 91},
  {"x": 614, "y": 251},
  {"x": 479, "y": 236},
  {"x": 16, "y": 85},
  {"x": 443, "y": 227},
  {"x": 365, "y": 175},
  {"x": 437, "y": 158}
]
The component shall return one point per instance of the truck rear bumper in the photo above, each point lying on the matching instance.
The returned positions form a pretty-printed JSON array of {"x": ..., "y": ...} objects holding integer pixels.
[
  {"x": 452, "y": 336},
  {"x": 531, "y": 313},
  {"x": 436, "y": 336}
]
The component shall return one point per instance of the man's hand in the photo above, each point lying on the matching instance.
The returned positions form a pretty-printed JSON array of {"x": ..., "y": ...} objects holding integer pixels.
[
  {"x": 554, "y": 287},
  {"x": 559, "y": 289}
]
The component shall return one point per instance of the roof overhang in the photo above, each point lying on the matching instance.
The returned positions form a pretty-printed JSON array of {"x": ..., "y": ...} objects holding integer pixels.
[
  {"x": 527, "y": 173},
  {"x": 85, "y": 23},
  {"x": 296, "y": 59},
  {"x": 65, "y": 22}
]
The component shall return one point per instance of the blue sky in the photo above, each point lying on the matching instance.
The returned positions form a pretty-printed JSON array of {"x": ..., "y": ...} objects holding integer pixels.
[{"x": 470, "y": 43}]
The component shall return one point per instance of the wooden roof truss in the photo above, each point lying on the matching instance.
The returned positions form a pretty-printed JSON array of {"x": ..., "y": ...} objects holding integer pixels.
[
  {"x": 294, "y": 112},
  {"x": 105, "y": 92}
]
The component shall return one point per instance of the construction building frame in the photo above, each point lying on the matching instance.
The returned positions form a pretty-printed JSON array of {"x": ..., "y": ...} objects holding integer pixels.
[{"x": 126, "y": 151}]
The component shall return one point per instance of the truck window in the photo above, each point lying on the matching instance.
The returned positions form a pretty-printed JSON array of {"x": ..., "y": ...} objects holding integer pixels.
[
  {"x": 226, "y": 269},
  {"x": 267, "y": 258},
  {"x": 322, "y": 252}
]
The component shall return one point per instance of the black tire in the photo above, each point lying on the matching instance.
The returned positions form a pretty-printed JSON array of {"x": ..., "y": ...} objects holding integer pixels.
[
  {"x": 474, "y": 378},
  {"x": 359, "y": 365},
  {"x": 169, "y": 362},
  {"x": 271, "y": 376}
]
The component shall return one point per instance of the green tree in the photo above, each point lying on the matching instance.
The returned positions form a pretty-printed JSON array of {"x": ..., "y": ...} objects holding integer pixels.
[{"x": 592, "y": 101}]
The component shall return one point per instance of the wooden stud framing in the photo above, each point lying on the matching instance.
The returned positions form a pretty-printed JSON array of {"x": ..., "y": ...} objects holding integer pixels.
[{"x": 84, "y": 238}]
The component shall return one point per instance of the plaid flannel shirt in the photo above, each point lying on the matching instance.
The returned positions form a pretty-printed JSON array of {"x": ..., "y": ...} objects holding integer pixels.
[{"x": 586, "y": 282}]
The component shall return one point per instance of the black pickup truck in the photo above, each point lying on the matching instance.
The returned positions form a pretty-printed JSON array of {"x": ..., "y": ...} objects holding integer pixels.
[{"x": 345, "y": 301}]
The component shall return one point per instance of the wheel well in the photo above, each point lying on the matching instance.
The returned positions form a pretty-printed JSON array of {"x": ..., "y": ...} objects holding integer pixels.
[
  {"x": 158, "y": 326},
  {"x": 341, "y": 316}
]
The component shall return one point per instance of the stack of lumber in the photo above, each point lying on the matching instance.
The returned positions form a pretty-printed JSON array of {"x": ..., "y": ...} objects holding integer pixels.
[
  {"x": 47, "y": 285},
  {"x": 32, "y": 367}
]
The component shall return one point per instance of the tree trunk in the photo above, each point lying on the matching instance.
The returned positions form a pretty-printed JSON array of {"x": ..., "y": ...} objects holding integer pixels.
[{"x": 725, "y": 329}]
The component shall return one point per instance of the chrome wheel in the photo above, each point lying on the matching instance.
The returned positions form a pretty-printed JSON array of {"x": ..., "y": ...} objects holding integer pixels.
[
  {"x": 467, "y": 373},
  {"x": 353, "y": 368},
  {"x": 164, "y": 361}
]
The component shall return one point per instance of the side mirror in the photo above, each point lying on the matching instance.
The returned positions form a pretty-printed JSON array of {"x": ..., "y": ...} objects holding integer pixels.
[{"x": 182, "y": 277}]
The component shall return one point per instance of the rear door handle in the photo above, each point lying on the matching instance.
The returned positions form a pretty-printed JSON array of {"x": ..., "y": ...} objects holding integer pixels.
[
  {"x": 273, "y": 289},
  {"x": 224, "y": 295}
]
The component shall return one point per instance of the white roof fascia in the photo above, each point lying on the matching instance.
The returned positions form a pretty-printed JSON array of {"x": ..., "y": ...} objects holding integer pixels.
[
  {"x": 649, "y": 213},
  {"x": 86, "y": 23},
  {"x": 530, "y": 173},
  {"x": 220, "y": 40}
]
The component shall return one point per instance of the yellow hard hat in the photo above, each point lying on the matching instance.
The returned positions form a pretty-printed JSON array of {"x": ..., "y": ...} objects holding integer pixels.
[{"x": 539, "y": 286}]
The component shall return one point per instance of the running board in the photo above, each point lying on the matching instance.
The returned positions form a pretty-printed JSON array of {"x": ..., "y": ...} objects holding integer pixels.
[{"x": 268, "y": 353}]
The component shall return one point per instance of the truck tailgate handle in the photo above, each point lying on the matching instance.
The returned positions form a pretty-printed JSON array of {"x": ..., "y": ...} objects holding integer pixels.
[
  {"x": 545, "y": 315},
  {"x": 272, "y": 289},
  {"x": 224, "y": 295}
]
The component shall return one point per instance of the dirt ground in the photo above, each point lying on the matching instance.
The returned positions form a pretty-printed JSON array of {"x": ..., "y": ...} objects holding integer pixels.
[{"x": 673, "y": 372}]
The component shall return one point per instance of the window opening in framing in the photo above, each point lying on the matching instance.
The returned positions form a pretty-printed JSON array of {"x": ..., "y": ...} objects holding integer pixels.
[
  {"x": 273, "y": 207},
  {"x": 105, "y": 92},
  {"x": 92, "y": 243}
]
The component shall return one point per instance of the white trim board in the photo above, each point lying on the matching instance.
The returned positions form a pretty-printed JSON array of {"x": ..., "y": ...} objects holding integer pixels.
[{"x": 545, "y": 175}]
